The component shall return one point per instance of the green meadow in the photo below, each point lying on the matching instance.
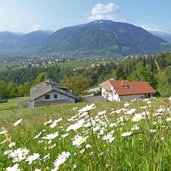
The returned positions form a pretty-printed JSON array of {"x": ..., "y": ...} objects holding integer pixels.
[{"x": 111, "y": 136}]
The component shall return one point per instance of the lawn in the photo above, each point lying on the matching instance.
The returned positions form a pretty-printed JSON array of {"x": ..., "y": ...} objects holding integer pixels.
[
  {"x": 110, "y": 136},
  {"x": 12, "y": 103},
  {"x": 75, "y": 64}
]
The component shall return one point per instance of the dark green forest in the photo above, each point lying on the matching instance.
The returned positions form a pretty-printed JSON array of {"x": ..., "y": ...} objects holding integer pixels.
[{"x": 155, "y": 69}]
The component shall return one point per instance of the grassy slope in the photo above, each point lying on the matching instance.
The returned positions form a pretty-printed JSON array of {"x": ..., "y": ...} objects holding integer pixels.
[
  {"x": 143, "y": 151},
  {"x": 12, "y": 103}
]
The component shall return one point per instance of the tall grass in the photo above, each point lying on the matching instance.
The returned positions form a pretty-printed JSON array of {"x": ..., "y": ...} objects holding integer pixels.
[{"x": 114, "y": 136}]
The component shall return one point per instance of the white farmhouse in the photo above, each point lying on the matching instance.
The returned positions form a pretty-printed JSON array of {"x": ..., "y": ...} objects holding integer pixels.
[
  {"x": 50, "y": 93},
  {"x": 117, "y": 90}
]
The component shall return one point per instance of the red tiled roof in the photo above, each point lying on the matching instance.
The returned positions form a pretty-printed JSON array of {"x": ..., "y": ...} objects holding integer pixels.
[{"x": 124, "y": 87}]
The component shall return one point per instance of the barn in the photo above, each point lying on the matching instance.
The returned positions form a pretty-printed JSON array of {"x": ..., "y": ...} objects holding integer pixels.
[{"x": 50, "y": 93}]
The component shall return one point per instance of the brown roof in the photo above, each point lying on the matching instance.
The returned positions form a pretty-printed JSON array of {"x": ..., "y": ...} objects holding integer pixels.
[
  {"x": 106, "y": 85},
  {"x": 48, "y": 86},
  {"x": 124, "y": 87}
]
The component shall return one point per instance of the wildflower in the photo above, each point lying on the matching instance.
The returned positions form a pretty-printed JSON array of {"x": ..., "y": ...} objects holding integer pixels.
[
  {"x": 160, "y": 110},
  {"x": 3, "y": 132},
  {"x": 101, "y": 112},
  {"x": 78, "y": 140},
  {"x": 51, "y": 136},
  {"x": 96, "y": 128},
  {"x": 75, "y": 108},
  {"x": 12, "y": 144},
  {"x": 131, "y": 111},
  {"x": 162, "y": 138},
  {"x": 13, "y": 168},
  {"x": 55, "y": 122},
  {"x": 60, "y": 160},
  {"x": 135, "y": 127},
  {"x": 88, "y": 146},
  {"x": 48, "y": 122},
  {"x": 46, "y": 157},
  {"x": 87, "y": 108},
  {"x": 101, "y": 132},
  {"x": 64, "y": 135},
  {"x": 168, "y": 119},
  {"x": 52, "y": 146},
  {"x": 108, "y": 138},
  {"x": 7, "y": 152},
  {"x": 19, "y": 154},
  {"x": 126, "y": 104},
  {"x": 153, "y": 130},
  {"x": 17, "y": 122},
  {"x": 170, "y": 99},
  {"x": 32, "y": 158},
  {"x": 148, "y": 102},
  {"x": 137, "y": 118},
  {"x": 82, "y": 151},
  {"x": 37, "y": 136},
  {"x": 144, "y": 107},
  {"x": 126, "y": 134},
  {"x": 76, "y": 126}
]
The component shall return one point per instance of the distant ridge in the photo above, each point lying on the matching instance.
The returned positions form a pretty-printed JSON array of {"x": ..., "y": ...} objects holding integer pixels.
[
  {"x": 164, "y": 35},
  {"x": 101, "y": 38}
]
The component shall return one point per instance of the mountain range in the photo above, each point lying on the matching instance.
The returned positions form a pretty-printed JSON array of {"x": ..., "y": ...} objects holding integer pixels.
[
  {"x": 164, "y": 35},
  {"x": 97, "y": 38}
]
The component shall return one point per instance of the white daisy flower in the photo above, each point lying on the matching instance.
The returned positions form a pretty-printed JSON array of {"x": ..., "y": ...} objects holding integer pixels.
[
  {"x": 87, "y": 108},
  {"x": 131, "y": 111},
  {"x": 137, "y": 118},
  {"x": 51, "y": 136},
  {"x": 170, "y": 98},
  {"x": 3, "y": 132},
  {"x": 168, "y": 119},
  {"x": 17, "y": 122},
  {"x": 12, "y": 144},
  {"x": 48, "y": 122},
  {"x": 126, "y": 134},
  {"x": 76, "y": 126},
  {"x": 19, "y": 154},
  {"x": 60, "y": 160},
  {"x": 32, "y": 158},
  {"x": 78, "y": 140},
  {"x": 13, "y": 168},
  {"x": 38, "y": 135},
  {"x": 55, "y": 123},
  {"x": 126, "y": 104}
]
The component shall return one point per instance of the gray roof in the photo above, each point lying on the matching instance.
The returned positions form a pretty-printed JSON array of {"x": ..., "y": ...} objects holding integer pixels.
[{"x": 48, "y": 86}]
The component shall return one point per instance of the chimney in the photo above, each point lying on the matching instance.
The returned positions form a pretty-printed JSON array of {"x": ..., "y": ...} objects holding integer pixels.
[{"x": 122, "y": 83}]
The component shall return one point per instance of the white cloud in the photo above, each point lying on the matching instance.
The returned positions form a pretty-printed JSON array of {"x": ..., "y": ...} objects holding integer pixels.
[{"x": 106, "y": 12}]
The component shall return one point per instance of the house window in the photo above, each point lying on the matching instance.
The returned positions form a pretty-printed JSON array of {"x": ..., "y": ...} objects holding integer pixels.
[
  {"x": 47, "y": 96},
  {"x": 55, "y": 96}
]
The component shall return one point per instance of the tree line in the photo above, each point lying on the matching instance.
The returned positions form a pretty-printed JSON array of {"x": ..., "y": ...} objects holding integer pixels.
[{"x": 154, "y": 69}]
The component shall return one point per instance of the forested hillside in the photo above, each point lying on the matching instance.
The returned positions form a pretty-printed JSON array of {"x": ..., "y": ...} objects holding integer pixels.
[
  {"x": 103, "y": 38},
  {"x": 154, "y": 69},
  {"x": 100, "y": 38}
]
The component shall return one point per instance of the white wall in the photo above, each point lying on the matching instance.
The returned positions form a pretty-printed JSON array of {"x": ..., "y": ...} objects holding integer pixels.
[
  {"x": 52, "y": 93},
  {"x": 131, "y": 97},
  {"x": 110, "y": 95}
]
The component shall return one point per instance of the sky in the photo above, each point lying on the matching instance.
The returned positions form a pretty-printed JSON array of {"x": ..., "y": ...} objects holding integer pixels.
[{"x": 30, "y": 15}]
